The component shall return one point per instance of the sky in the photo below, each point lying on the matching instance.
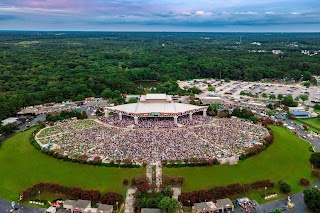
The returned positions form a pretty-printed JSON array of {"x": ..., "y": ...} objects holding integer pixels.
[{"x": 161, "y": 15}]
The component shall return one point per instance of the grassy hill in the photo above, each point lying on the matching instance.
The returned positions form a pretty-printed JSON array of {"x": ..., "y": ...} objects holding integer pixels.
[{"x": 21, "y": 166}]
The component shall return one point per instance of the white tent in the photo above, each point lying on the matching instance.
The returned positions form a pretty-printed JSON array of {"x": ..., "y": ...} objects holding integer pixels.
[{"x": 51, "y": 209}]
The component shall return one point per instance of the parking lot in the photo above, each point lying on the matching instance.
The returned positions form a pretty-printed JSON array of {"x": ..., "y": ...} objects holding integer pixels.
[{"x": 234, "y": 88}]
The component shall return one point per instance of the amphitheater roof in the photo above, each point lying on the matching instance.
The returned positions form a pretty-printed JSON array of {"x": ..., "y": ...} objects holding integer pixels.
[{"x": 162, "y": 108}]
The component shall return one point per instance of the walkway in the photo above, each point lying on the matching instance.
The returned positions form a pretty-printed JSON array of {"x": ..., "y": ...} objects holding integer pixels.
[
  {"x": 128, "y": 206},
  {"x": 158, "y": 174},
  {"x": 5, "y": 206},
  {"x": 297, "y": 199}
]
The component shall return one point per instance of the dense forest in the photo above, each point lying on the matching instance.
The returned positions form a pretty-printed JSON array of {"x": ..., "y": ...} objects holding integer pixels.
[{"x": 38, "y": 67}]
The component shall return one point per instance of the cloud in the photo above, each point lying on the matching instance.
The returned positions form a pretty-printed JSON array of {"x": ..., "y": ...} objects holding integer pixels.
[
  {"x": 270, "y": 12},
  {"x": 202, "y": 13},
  {"x": 159, "y": 13}
]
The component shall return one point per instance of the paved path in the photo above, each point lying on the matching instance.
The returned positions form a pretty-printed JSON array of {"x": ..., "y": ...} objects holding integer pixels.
[
  {"x": 158, "y": 174},
  {"x": 5, "y": 206},
  {"x": 297, "y": 199},
  {"x": 176, "y": 192},
  {"x": 149, "y": 173},
  {"x": 128, "y": 206}
]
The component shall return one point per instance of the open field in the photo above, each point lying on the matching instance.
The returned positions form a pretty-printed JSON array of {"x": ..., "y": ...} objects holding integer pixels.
[
  {"x": 286, "y": 159},
  {"x": 312, "y": 123},
  {"x": 22, "y": 166}
]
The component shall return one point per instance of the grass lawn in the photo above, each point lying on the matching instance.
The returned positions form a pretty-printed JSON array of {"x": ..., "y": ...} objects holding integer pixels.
[
  {"x": 312, "y": 123},
  {"x": 286, "y": 159},
  {"x": 21, "y": 166}
]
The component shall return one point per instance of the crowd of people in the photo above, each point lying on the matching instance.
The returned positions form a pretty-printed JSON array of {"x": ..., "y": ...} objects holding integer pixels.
[
  {"x": 216, "y": 139},
  {"x": 155, "y": 122},
  {"x": 196, "y": 120}
]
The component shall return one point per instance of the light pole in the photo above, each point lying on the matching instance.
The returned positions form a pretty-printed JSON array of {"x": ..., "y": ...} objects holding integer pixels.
[{"x": 117, "y": 206}]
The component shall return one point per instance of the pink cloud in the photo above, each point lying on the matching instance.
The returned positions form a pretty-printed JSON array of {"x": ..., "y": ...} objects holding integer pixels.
[{"x": 50, "y": 3}]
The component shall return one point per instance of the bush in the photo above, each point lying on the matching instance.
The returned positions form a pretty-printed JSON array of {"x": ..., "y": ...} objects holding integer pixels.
[
  {"x": 72, "y": 193},
  {"x": 315, "y": 159},
  {"x": 304, "y": 182},
  {"x": 284, "y": 187},
  {"x": 315, "y": 173},
  {"x": 125, "y": 182},
  {"x": 220, "y": 192}
]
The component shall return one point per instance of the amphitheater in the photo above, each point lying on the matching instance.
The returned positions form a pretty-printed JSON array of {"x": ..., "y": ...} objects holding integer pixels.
[{"x": 176, "y": 132}]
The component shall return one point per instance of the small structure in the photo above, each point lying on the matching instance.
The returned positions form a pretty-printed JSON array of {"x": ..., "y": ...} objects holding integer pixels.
[
  {"x": 90, "y": 210},
  {"x": 225, "y": 204},
  {"x": 69, "y": 204},
  {"x": 51, "y": 209},
  {"x": 151, "y": 210},
  {"x": 104, "y": 208},
  {"x": 210, "y": 99},
  {"x": 81, "y": 205},
  {"x": 11, "y": 120},
  {"x": 206, "y": 207},
  {"x": 300, "y": 113},
  {"x": 290, "y": 205}
]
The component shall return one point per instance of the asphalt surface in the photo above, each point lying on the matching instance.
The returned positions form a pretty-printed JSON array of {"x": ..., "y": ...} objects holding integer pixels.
[{"x": 5, "y": 206}]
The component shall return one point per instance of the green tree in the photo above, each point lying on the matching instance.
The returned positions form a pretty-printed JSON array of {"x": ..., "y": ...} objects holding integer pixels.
[
  {"x": 312, "y": 199},
  {"x": 280, "y": 96},
  {"x": 195, "y": 90},
  {"x": 264, "y": 95},
  {"x": 315, "y": 159},
  {"x": 8, "y": 129},
  {"x": 288, "y": 101},
  {"x": 227, "y": 80},
  {"x": 107, "y": 93},
  {"x": 316, "y": 106},
  {"x": 284, "y": 187},
  {"x": 304, "y": 98},
  {"x": 133, "y": 100},
  {"x": 168, "y": 205},
  {"x": 211, "y": 89},
  {"x": 306, "y": 76},
  {"x": 307, "y": 84},
  {"x": 272, "y": 96}
]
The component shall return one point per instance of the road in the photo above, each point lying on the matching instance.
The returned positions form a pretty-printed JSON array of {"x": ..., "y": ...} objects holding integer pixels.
[{"x": 5, "y": 206}]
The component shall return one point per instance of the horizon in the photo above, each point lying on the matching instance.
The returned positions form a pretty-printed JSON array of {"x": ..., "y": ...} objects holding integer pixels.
[{"x": 159, "y": 16}]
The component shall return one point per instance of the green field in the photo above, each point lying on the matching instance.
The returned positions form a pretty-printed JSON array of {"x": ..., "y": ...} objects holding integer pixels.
[
  {"x": 21, "y": 166},
  {"x": 312, "y": 123},
  {"x": 286, "y": 159}
]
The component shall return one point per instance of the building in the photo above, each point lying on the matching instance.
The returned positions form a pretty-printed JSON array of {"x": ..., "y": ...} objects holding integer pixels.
[
  {"x": 151, "y": 210},
  {"x": 105, "y": 208},
  {"x": 205, "y": 207},
  {"x": 210, "y": 99},
  {"x": 225, "y": 204},
  {"x": 156, "y": 105},
  {"x": 299, "y": 112},
  {"x": 81, "y": 205},
  {"x": 11, "y": 120},
  {"x": 69, "y": 204},
  {"x": 220, "y": 206}
]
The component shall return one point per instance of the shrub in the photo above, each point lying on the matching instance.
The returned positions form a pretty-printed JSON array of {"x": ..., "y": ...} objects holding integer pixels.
[
  {"x": 220, "y": 192},
  {"x": 304, "y": 182},
  {"x": 72, "y": 193},
  {"x": 284, "y": 187},
  {"x": 315, "y": 159},
  {"x": 315, "y": 173},
  {"x": 125, "y": 182}
]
